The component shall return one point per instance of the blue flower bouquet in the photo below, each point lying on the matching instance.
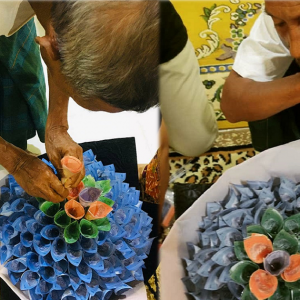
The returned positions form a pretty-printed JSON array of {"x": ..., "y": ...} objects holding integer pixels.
[{"x": 89, "y": 247}]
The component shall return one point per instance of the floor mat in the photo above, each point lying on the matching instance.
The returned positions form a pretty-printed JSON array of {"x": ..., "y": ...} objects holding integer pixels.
[{"x": 208, "y": 167}]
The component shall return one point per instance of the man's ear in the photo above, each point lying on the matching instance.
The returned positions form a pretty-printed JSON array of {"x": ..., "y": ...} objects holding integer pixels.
[{"x": 48, "y": 47}]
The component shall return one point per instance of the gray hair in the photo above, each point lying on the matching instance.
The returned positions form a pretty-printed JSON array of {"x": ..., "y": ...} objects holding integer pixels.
[{"x": 109, "y": 50}]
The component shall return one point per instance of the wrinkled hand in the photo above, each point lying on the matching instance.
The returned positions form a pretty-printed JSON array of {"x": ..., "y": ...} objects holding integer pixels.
[
  {"x": 37, "y": 179},
  {"x": 60, "y": 144}
]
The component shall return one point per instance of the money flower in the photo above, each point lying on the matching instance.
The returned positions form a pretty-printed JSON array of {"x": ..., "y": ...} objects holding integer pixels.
[
  {"x": 88, "y": 247},
  {"x": 248, "y": 245}
]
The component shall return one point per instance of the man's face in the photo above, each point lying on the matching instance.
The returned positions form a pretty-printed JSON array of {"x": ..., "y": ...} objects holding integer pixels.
[
  {"x": 286, "y": 17},
  {"x": 94, "y": 104}
]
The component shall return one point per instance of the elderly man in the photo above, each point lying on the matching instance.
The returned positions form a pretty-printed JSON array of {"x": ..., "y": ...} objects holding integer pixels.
[
  {"x": 263, "y": 86},
  {"x": 105, "y": 55},
  {"x": 106, "y": 63}
]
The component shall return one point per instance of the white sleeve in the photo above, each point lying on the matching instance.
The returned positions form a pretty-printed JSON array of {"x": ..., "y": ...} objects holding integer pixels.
[
  {"x": 188, "y": 114},
  {"x": 262, "y": 56},
  {"x": 8, "y": 12},
  {"x": 13, "y": 15}
]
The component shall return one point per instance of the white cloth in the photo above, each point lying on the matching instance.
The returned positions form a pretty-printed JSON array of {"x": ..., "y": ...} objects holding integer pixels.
[
  {"x": 188, "y": 114},
  {"x": 262, "y": 56},
  {"x": 278, "y": 161},
  {"x": 13, "y": 15}
]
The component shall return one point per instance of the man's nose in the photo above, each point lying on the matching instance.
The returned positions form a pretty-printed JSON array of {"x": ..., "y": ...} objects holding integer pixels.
[{"x": 294, "y": 42}]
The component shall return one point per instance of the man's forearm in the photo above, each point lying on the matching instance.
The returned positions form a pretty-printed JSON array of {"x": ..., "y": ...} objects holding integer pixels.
[
  {"x": 247, "y": 100},
  {"x": 10, "y": 156},
  {"x": 42, "y": 10},
  {"x": 58, "y": 107}
]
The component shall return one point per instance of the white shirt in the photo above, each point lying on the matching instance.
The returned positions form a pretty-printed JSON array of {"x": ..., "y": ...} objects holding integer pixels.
[
  {"x": 13, "y": 15},
  {"x": 262, "y": 56}
]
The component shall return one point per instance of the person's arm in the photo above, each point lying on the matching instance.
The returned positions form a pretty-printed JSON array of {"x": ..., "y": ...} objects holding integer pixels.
[
  {"x": 188, "y": 114},
  {"x": 33, "y": 175},
  {"x": 256, "y": 89},
  {"x": 244, "y": 99},
  {"x": 163, "y": 166},
  {"x": 42, "y": 10},
  {"x": 58, "y": 141}
]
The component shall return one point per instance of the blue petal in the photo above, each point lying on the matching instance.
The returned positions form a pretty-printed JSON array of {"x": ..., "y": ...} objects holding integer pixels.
[
  {"x": 74, "y": 253},
  {"x": 48, "y": 274},
  {"x": 18, "y": 265},
  {"x": 43, "y": 287},
  {"x": 58, "y": 249},
  {"x": 41, "y": 245},
  {"x": 6, "y": 253},
  {"x": 60, "y": 267},
  {"x": 84, "y": 272},
  {"x": 32, "y": 260},
  {"x": 50, "y": 232},
  {"x": 29, "y": 280}
]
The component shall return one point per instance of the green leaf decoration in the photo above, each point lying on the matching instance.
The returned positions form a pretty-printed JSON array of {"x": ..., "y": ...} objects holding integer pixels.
[
  {"x": 40, "y": 200},
  {"x": 247, "y": 295},
  {"x": 241, "y": 272},
  {"x": 88, "y": 229},
  {"x": 50, "y": 208},
  {"x": 292, "y": 224},
  {"x": 256, "y": 229},
  {"x": 61, "y": 219},
  {"x": 89, "y": 181},
  {"x": 285, "y": 241},
  {"x": 104, "y": 186},
  {"x": 295, "y": 294},
  {"x": 282, "y": 293},
  {"x": 239, "y": 250},
  {"x": 107, "y": 201},
  {"x": 272, "y": 221},
  {"x": 293, "y": 285},
  {"x": 102, "y": 224},
  {"x": 72, "y": 233},
  {"x": 207, "y": 12},
  {"x": 213, "y": 7},
  {"x": 205, "y": 18}
]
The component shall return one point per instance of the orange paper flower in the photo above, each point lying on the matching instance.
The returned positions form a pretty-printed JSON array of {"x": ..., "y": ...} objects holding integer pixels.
[
  {"x": 262, "y": 284},
  {"x": 74, "y": 209},
  {"x": 71, "y": 165},
  {"x": 74, "y": 192},
  {"x": 98, "y": 210},
  {"x": 257, "y": 247},
  {"x": 292, "y": 272}
]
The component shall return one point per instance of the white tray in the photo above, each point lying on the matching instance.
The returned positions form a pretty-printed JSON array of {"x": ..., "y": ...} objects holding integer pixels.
[{"x": 280, "y": 161}]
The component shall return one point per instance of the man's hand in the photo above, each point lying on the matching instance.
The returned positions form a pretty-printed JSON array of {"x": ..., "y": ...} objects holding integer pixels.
[
  {"x": 37, "y": 179},
  {"x": 34, "y": 176},
  {"x": 60, "y": 144}
]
